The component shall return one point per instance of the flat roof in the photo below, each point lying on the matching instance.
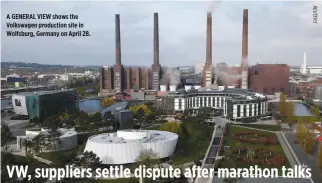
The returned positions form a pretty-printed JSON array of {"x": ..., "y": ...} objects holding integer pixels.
[
  {"x": 133, "y": 136},
  {"x": 241, "y": 94},
  {"x": 41, "y": 92}
]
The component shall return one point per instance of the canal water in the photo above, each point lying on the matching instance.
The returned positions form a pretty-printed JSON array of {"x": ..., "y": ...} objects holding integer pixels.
[
  {"x": 94, "y": 105},
  {"x": 90, "y": 106},
  {"x": 301, "y": 110}
]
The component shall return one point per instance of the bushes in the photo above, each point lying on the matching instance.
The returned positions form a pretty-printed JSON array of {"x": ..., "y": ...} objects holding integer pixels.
[
  {"x": 316, "y": 127},
  {"x": 255, "y": 138},
  {"x": 259, "y": 156}
]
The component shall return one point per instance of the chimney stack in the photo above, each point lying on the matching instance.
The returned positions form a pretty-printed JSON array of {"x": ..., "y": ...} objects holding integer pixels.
[
  {"x": 209, "y": 40},
  {"x": 117, "y": 40},
  {"x": 244, "y": 64},
  {"x": 245, "y": 39},
  {"x": 156, "y": 40}
]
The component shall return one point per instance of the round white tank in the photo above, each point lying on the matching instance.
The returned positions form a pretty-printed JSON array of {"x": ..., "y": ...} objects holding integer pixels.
[
  {"x": 163, "y": 87},
  {"x": 221, "y": 87},
  {"x": 187, "y": 87},
  {"x": 197, "y": 87},
  {"x": 173, "y": 87},
  {"x": 113, "y": 149}
]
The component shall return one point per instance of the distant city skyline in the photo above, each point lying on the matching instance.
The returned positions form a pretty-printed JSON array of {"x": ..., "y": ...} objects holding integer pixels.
[{"x": 279, "y": 32}]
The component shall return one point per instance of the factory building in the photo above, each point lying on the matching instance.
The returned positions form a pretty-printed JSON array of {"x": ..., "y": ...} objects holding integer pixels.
[
  {"x": 269, "y": 78},
  {"x": 43, "y": 104},
  {"x": 310, "y": 70},
  {"x": 235, "y": 104},
  {"x": 118, "y": 79},
  {"x": 262, "y": 78},
  {"x": 317, "y": 93}
]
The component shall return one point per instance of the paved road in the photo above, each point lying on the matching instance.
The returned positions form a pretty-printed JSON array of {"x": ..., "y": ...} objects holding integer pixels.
[
  {"x": 309, "y": 160},
  {"x": 286, "y": 149}
]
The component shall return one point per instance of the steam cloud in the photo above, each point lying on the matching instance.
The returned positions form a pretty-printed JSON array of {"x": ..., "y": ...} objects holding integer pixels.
[
  {"x": 213, "y": 5},
  {"x": 172, "y": 75},
  {"x": 221, "y": 72}
]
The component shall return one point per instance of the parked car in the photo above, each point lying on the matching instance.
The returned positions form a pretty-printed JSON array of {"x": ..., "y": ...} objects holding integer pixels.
[{"x": 296, "y": 142}]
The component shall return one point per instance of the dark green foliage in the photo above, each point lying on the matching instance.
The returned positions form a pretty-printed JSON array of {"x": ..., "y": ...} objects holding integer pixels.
[
  {"x": 5, "y": 134},
  {"x": 86, "y": 160}
]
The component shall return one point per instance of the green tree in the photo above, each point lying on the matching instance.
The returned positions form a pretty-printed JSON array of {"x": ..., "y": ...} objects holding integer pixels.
[
  {"x": 109, "y": 119},
  {"x": 37, "y": 143},
  {"x": 107, "y": 101},
  {"x": 290, "y": 112},
  {"x": 5, "y": 136},
  {"x": 173, "y": 127},
  {"x": 64, "y": 117},
  {"x": 282, "y": 106},
  {"x": 97, "y": 117},
  {"x": 319, "y": 156},
  {"x": 205, "y": 113},
  {"x": 80, "y": 91},
  {"x": 87, "y": 160},
  {"x": 148, "y": 158}
]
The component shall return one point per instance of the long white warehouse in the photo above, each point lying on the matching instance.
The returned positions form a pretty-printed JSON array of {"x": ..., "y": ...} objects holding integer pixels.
[{"x": 124, "y": 146}]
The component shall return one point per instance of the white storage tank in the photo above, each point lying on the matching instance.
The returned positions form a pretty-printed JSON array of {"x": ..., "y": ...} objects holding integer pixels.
[
  {"x": 317, "y": 93},
  {"x": 163, "y": 87},
  {"x": 197, "y": 87},
  {"x": 173, "y": 88},
  {"x": 221, "y": 88},
  {"x": 187, "y": 87}
]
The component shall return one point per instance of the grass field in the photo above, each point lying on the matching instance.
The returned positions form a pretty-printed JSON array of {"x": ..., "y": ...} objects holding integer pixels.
[
  {"x": 263, "y": 127},
  {"x": 228, "y": 141}
]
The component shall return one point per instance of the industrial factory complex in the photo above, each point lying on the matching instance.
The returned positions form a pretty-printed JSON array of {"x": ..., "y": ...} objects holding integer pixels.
[
  {"x": 262, "y": 78},
  {"x": 236, "y": 91}
]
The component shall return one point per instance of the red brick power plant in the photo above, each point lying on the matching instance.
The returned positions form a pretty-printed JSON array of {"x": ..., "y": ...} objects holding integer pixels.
[
  {"x": 118, "y": 79},
  {"x": 263, "y": 78}
]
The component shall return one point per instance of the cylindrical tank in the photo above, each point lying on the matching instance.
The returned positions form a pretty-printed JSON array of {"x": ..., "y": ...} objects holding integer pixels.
[
  {"x": 197, "y": 87},
  {"x": 173, "y": 88},
  {"x": 317, "y": 93},
  {"x": 163, "y": 87},
  {"x": 187, "y": 87},
  {"x": 221, "y": 87}
]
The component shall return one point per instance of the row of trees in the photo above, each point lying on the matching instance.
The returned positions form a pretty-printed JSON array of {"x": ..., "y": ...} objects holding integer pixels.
[
  {"x": 42, "y": 143},
  {"x": 286, "y": 110},
  {"x": 305, "y": 138}
]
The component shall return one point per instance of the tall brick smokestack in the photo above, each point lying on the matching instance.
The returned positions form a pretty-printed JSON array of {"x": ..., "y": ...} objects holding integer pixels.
[
  {"x": 117, "y": 40},
  {"x": 207, "y": 77},
  {"x": 244, "y": 64},
  {"x": 245, "y": 39},
  {"x": 209, "y": 39},
  {"x": 156, "y": 40}
]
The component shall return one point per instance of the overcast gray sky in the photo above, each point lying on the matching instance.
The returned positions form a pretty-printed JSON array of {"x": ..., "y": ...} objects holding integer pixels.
[{"x": 279, "y": 32}]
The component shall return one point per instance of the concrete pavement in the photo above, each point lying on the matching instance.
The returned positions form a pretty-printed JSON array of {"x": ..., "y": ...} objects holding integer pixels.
[{"x": 309, "y": 160}]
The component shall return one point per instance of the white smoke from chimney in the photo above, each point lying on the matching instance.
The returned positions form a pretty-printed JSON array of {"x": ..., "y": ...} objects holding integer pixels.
[
  {"x": 172, "y": 75},
  {"x": 304, "y": 64},
  {"x": 213, "y": 5},
  {"x": 220, "y": 73}
]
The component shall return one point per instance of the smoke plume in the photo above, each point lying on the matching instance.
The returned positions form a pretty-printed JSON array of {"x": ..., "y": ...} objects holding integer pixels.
[
  {"x": 223, "y": 74},
  {"x": 172, "y": 75},
  {"x": 213, "y": 5}
]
